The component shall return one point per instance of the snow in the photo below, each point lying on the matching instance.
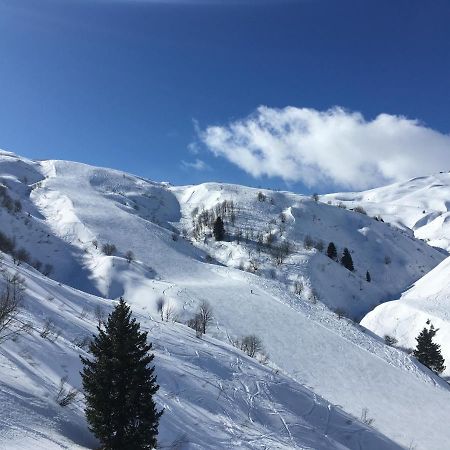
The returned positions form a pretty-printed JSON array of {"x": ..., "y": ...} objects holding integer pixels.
[
  {"x": 320, "y": 365},
  {"x": 420, "y": 204},
  {"x": 403, "y": 319}
]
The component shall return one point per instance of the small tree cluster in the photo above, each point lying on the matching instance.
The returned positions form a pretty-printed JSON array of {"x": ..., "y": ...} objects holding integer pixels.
[
  {"x": 13, "y": 206},
  {"x": 204, "y": 221},
  {"x": 166, "y": 310},
  {"x": 281, "y": 252}
]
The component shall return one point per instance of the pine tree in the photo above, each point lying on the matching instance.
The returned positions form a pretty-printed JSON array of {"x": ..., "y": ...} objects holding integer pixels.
[
  {"x": 427, "y": 351},
  {"x": 119, "y": 385},
  {"x": 347, "y": 260},
  {"x": 368, "y": 277},
  {"x": 331, "y": 251},
  {"x": 219, "y": 229}
]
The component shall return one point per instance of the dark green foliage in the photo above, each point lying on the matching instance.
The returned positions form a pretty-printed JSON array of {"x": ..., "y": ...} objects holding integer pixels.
[
  {"x": 368, "y": 277},
  {"x": 331, "y": 251},
  {"x": 119, "y": 385},
  {"x": 428, "y": 352},
  {"x": 7, "y": 245},
  {"x": 219, "y": 229},
  {"x": 347, "y": 260}
]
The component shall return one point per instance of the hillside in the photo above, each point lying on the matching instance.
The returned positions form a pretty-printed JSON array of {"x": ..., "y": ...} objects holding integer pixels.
[
  {"x": 69, "y": 211},
  {"x": 213, "y": 395},
  {"x": 403, "y": 319},
  {"x": 420, "y": 204}
]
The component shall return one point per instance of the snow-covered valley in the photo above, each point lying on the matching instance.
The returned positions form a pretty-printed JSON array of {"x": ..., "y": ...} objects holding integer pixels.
[{"x": 271, "y": 277}]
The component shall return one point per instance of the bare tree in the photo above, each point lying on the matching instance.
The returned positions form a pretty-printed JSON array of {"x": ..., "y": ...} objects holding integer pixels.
[
  {"x": 99, "y": 315},
  {"x": 64, "y": 395},
  {"x": 205, "y": 315},
  {"x": 298, "y": 287},
  {"x": 196, "y": 324},
  {"x": 169, "y": 312},
  {"x": 10, "y": 301},
  {"x": 251, "y": 345}
]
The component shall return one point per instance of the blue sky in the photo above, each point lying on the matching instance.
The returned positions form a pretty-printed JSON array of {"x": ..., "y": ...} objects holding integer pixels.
[{"x": 135, "y": 85}]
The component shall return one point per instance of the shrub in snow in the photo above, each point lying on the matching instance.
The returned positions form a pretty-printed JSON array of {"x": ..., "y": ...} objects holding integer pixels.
[
  {"x": 365, "y": 417},
  {"x": 298, "y": 287},
  {"x": 390, "y": 340},
  {"x": 49, "y": 331},
  {"x": 65, "y": 395},
  {"x": 261, "y": 197},
  {"x": 360, "y": 210},
  {"x": 129, "y": 255},
  {"x": 340, "y": 313},
  {"x": 109, "y": 249}
]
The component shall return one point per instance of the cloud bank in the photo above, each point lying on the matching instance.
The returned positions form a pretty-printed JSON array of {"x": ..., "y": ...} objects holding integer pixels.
[{"x": 334, "y": 147}]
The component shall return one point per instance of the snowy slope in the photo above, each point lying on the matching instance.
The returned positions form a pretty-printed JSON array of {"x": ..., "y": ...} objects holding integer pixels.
[
  {"x": 79, "y": 206},
  {"x": 370, "y": 243},
  {"x": 213, "y": 395},
  {"x": 428, "y": 299},
  {"x": 420, "y": 204}
]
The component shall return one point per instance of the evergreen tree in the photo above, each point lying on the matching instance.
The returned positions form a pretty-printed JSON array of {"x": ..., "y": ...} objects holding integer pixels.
[
  {"x": 368, "y": 277},
  {"x": 347, "y": 260},
  {"x": 219, "y": 229},
  {"x": 331, "y": 251},
  {"x": 427, "y": 351},
  {"x": 119, "y": 385}
]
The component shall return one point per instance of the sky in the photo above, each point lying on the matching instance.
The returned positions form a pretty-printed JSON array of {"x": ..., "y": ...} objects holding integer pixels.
[{"x": 307, "y": 95}]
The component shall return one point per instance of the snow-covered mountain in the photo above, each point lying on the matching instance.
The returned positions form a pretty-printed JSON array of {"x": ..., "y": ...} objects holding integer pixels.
[
  {"x": 420, "y": 204},
  {"x": 403, "y": 319},
  {"x": 215, "y": 397}
]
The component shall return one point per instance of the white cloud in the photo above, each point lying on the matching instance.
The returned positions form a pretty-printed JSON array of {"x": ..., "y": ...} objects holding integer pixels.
[
  {"x": 334, "y": 147},
  {"x": 198, "y": 164}
]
